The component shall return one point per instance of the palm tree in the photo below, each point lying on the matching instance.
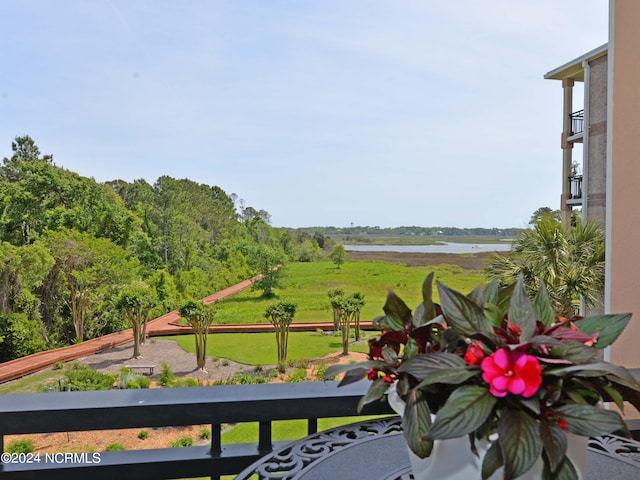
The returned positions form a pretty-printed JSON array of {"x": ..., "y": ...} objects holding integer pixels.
[{"x": 570, "y": 261}]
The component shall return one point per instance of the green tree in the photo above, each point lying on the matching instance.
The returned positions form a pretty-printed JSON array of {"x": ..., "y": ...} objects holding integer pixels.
[
  {"x": 347, "y": 309},
  {"x": 199, "y": 316},
  {"x": 92, "y": 269},
  {"x": 570, "y": 261},
  {"x": 281, "y": 315},
  {"x": 136, "y": 302},
  {"x": 544, "y": 212},
  {"x": 334, "y": 293},
  {"x": 266, "y": 261},
  {"x": 338, "y": 255}
]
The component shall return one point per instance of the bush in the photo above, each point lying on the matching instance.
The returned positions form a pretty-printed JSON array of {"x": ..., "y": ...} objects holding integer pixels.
[
  {"x": 115, "y": 447},
  {"x": 58, "y": 366},
  {"x": 20, "y": 446},
  {"x": 299, "y": 375},
  {"x": 182, "y": 442},
  {"x": 166, "y": 377},
  {"x": 320, "y": 369},
  {"x": 143, "y": 434},
  {"x": 129, "y": 380},
  {"x": 83, "y": 378},
  {"x": 246, "y": 379},
  {"x": 205, "y": 434},
  {"x": 186, "y": 382}
]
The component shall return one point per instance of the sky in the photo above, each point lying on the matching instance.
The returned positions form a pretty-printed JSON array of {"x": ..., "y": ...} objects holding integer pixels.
[{"x": 321, "y": 112}]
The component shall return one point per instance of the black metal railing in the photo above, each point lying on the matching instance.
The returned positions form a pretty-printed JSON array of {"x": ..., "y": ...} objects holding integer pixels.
[
  {"x": 577, "y": 122},
  {"x": 575, "y": 187},
  {"x": 109, "y": 410}
]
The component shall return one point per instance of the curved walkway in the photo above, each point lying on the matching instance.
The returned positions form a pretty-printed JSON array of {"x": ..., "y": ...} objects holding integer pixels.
[{"x": 167, "y": 324}]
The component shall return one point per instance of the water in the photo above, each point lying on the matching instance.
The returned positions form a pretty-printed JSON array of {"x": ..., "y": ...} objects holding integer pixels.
[{"x": 449, "y": 247}]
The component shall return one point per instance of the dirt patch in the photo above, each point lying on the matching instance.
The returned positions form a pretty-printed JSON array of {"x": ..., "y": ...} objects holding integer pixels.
[{"x": 476, "y": 261}]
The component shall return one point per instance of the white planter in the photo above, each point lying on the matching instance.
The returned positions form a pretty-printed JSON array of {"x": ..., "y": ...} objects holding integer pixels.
[{"x": 453, "y": 460}]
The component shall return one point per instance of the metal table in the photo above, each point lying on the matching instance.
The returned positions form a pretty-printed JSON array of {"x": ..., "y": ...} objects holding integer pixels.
[{"x": 377, "y": 447}]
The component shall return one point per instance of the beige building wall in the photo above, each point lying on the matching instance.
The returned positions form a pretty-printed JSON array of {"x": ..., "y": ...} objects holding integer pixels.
[
  {"x": 622, "y": 291},
  {"x": 595, "y": 143}
]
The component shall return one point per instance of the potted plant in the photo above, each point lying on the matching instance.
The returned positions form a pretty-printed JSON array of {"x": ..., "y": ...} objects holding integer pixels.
[{"x": 499, "y": 372}]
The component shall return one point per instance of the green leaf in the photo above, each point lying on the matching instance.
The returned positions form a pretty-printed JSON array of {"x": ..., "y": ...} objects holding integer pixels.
[
  {"x": 422, "y": 365},
  {"x": 609, "y": 327},
  {"x": 574, "y": 352},
  {"x": 542, "y": 306},
  {"x": 566, "y": 471},
  {"x": 554, "y": 442},
  {"x": 452, "y": 376},
  {"x": 416, "y": 422},
  {"x": 590, "y": 421},
  {"x": 464, "y": 316},
  {"x": 520, "y": 444},
  {"x": 376, "y": 391},
  {"x": 465, "y": 410},
  {"x": 491, "y": 292},
  {"x": 477, "y": 296},
  {"x": 492, "y": 461},
  {"x": 389, "y": 354},
  {"x": 521, "y": 312},
  {"x": 614, "y": 395},
  {"x": 429, "y": 308},
  {"x": 398, "y": 314},
  {"x": 335, "y": 370},
  {"x": 385, "y": 323},
  {"x": 620, "y": 374}
]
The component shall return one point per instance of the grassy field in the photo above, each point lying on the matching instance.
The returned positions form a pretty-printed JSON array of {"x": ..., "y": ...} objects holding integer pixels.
[
  {"x": 307, "y": 284},
  {"x": 260, "y": 348}
]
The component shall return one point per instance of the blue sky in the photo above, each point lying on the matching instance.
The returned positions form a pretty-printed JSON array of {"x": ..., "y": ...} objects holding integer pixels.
[{"x": 332, "y": 112}]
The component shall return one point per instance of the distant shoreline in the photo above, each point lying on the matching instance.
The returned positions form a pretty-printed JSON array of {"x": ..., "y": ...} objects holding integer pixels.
[{"x": 476, "y": 261}]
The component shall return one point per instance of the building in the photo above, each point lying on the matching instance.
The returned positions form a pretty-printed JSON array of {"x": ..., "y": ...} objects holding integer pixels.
[
  {"x": 585, "y": 125},
  {"x": 603, "y": 179}
]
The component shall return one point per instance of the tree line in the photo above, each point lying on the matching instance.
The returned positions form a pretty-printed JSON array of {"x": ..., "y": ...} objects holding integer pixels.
[{"x": 80, "y": 258}]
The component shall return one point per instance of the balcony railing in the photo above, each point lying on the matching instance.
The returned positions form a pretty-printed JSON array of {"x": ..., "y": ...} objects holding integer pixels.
[
  {"x": 575, "y": 187},
  {"x": 577, "y": 122},
  {"x": 108, "y": 410}
]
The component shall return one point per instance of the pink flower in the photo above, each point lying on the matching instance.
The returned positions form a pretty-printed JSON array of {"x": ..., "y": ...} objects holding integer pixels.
[{"x": 510, "y": 371}]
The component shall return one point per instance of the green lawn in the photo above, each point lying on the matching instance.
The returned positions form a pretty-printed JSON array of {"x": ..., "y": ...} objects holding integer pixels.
[
  {"x": 31, "y": 383},
  {"x": 307, "y": 284},
  {"x": 261, "y": 349}
]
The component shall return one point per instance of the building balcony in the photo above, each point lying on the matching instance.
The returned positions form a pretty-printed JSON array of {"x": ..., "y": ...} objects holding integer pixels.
[
  {"x": 577, "y": 126},
  {"x": 575, "y": 190}
]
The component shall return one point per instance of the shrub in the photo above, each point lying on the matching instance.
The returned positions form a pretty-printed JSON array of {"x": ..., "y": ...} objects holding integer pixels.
[
  {"x": 58, "y": 366},
  {"x": 115, "y": 447},
  {"x": 225, "y": 363},
  {"x": 186, "y": 382},
  {"x": 166, "y": 377},
  {"x": 182, "y": 442},
  {"x": 144, "y": 382},
  {"x": 245, "y": 379},
  {"x": 81, "y": 378},
  {"x": 143, "y": 434},
  {"x": 320, "y": 369},
  {"x": 299, "y": 375},
  {"x": 132, "y": 385},
  {"x": 20, "y": 446},
  {"x": 205, "y": 434}
]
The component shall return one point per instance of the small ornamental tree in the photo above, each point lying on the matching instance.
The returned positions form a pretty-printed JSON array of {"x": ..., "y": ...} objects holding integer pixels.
[
  {"x": 136, "y": 303},
  {"x": 199, "y": 316},
  {"x": 358, "y": 302},
  {"x": 333, "y": 294},
  {"x": 281, "y": 315},
  {"x": 338, "y": 255},
  {"x": 346, "y": 308}
]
